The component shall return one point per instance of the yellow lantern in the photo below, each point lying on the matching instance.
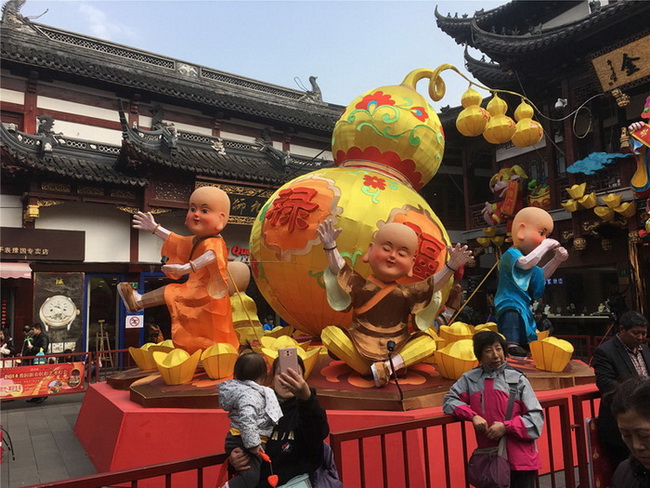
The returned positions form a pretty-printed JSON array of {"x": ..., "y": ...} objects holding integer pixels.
[
  {"x": 456, "y": 358},
  {"x": 472, "y": 121},
  {"x": 500, "y": 128},
  {"x": 143, "y": 357},
  {"x": 219, "y": 360},
  {"x": 177, "y": 367},
  {"x": 527, "y": 133},
  {"x": 471, "y": 97},
  {"x": 551, "y": 354}
]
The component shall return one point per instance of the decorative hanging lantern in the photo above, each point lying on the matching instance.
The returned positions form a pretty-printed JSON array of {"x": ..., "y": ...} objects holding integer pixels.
[
  {"x": 527, "y": 131},
  {"x": 472, "y": 120},
  {"x": 500, "y": 127}
]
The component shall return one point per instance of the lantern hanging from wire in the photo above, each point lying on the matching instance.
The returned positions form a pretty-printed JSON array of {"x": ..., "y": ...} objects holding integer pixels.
[{"x": 500, "y": 127}]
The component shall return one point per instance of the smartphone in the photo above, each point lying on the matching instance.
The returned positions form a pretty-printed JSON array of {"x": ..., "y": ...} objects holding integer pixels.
[{"x": 288, "y": 358}]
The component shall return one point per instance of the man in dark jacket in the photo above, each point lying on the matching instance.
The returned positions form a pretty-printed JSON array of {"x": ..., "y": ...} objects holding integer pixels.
[
  {"x": 615, "y": 361},
  {"x": 39, "y": 343}
]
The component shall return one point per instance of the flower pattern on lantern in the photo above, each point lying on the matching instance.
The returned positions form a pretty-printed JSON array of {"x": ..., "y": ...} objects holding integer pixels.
[
  {"x": 374, "y": 182},
  {"x": 372, "y": 101},
  {"x": 420, "y": 113}
]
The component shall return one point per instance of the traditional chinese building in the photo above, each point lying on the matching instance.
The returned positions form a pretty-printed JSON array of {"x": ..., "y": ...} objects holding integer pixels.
[
  {"x": 586, "y": 66},
  {"x": 93, "y": 131}
]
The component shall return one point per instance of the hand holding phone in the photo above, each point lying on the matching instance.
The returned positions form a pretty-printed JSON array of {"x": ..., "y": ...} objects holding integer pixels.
[{"x": 288, "y": 358}]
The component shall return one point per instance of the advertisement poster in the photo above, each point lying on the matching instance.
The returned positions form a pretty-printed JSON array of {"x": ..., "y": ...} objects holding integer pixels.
[
  {"x": 58, "y": 298},
  {"x": 41, "y": 380}
]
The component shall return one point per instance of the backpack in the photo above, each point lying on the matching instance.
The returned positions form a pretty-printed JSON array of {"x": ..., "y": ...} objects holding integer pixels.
[{"x": 327, "y": 476}]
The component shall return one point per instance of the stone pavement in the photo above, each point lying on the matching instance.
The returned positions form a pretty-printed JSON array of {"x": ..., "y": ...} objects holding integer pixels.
[{"x": 45, "y": 446}]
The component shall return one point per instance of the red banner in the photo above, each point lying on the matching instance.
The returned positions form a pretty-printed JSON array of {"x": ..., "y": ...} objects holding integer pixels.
[
  {"x": 643, "y": 135},
  {"x": 41, "y": 380}
]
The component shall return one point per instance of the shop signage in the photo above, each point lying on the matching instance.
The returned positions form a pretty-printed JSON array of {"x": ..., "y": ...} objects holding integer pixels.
[
  {"x": 623, "y": 65},
  {"x": 41, "y": 244},
  {"x": 41, "y": 380}
]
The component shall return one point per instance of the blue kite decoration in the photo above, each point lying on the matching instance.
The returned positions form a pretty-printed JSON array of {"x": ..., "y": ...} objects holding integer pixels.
[{"x": 594, "y": 162}]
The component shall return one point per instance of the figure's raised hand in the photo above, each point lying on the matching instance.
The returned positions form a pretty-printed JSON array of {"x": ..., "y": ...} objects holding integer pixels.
[
  {"x": 328, "y": 234},
  {"x": 458, "y": 255},
  {"x": 561, "y": 254},
  {"x": 635, "y": 126},
  {"x": 144, "y": 221}
]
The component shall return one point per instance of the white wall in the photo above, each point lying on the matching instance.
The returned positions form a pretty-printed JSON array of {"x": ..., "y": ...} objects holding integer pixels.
[
  {"x": 11, "y": 211},
  {"x": 106, "y": 228}
]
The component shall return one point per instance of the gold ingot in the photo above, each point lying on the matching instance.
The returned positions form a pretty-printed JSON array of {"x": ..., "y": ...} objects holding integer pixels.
[
  {"x": 551, "y": 354},
  {"x": 219, "y": 360},
  {"x": 604, "y": 213},
  {"x": 279, "y": 331},
  {"x": 570, "y": 205},
  {"x": 577, "y": 191},
  {"x": 247, "y": 335},
  {"x": 164, "y": 346},
  {"x": 456, "y": 359},
  {"x": 456, "y": 332},
  {"x": 471, "y": 122},
  {"x": 612, "y": 200},
  {"x": 484, "y": 241},
  {"x": 626, "y": 209},
  {"x": 589, "y": 200},
  {"x": 490, "y": 231},
  {"x": 176, "y": 367},
  {"x": 143, "y": 356},
  {"x": 542, "y": 334},
  {"x": 486, "y": 326}
]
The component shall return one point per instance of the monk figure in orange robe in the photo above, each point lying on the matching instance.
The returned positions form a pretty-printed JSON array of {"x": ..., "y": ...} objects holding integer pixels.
[{"x": 200, "y": 307}]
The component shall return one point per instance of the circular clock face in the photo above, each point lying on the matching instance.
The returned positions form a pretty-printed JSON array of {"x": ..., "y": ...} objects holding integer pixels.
[{"x": 58, "y": 311}]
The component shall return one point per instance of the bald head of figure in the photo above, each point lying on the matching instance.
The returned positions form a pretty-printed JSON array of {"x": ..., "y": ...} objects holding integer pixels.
[
  {"x": 392, "y": 252},
  {"x": 209, "y": 209},
  {"x": 530, "y": 227}
]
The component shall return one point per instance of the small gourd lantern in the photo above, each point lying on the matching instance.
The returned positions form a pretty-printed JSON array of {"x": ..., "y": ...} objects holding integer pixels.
[
  {"x": 472, "y": 120},
  {"x": 527, "y": 130},
  {"x": 500, "y": 128}
]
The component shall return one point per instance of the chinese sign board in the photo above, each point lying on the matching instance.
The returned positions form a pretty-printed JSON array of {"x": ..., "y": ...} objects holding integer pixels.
[
  {"x": 39, "y": 244},
  {"x": 623, "y": 65},
  {"x": 41, "y": 380}
]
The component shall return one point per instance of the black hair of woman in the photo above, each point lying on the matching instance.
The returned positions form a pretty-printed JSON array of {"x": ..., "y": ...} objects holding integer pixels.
[{"x": 486, "y": 338}]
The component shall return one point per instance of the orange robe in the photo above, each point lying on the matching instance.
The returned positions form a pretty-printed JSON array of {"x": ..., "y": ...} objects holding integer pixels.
[{"x": 198, "y": 319}]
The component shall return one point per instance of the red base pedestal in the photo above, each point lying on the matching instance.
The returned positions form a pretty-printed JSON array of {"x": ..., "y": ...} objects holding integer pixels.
[{"x": 119, "y": 434}]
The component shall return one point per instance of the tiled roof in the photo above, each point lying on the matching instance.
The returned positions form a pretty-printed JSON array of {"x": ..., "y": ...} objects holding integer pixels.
[
  {"x": 491, "y": 74},
  {"x": 36, "y": 46},
  {"x": 476, "y": 31},
  {"x": 60, "y": 158}
]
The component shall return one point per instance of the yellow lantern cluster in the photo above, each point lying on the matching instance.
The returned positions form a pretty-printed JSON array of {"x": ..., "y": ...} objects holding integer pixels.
[
  {"x": 494, "y": 124},
  {"x": 472, "y": 120}
]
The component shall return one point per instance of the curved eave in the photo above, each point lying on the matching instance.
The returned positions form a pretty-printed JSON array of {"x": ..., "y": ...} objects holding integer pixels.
[
  {"x": 460, "y": 29},
  {"x": 491, "y": 74},
  {"x": 498, "y": 45}
]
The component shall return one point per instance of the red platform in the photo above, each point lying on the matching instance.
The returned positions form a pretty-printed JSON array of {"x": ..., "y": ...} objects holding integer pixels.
[{"x": 119, "y": 434}]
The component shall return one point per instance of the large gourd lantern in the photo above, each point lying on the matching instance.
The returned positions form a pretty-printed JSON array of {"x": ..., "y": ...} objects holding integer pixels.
[{"x": 387, "y": 145}]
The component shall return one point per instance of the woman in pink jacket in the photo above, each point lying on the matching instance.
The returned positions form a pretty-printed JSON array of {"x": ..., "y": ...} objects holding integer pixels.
[{"x": 481, "y": 396}]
